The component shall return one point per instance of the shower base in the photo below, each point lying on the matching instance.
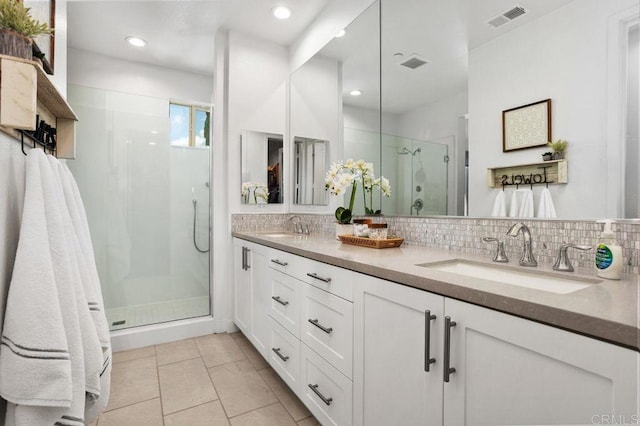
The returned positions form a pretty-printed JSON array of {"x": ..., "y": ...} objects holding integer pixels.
[{"x": 154, "y": 313}]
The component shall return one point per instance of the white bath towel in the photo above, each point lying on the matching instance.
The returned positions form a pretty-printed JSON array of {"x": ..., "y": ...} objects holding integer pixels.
[
  {"x": 526, "y": 204},
  {"x": 546, "y": 208},
  {"x": 521, "y": 203},
  {"x": 82, "y": 280},
  {"x": 96, "y": 339},
  {"x": 35, "y": 361},
  {"x": 12, "y": 183},
  {"x": 499, "y": 205}
]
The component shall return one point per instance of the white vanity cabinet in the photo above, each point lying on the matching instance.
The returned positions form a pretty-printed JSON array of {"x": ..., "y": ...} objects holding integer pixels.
[
  {"x": 508, "y": 370},
  {"x": 514, "y": 371},
  {"x": 397, "y": 331},
  {"x": 311, "y": 320},
  {"x": 251, "y": 293}
]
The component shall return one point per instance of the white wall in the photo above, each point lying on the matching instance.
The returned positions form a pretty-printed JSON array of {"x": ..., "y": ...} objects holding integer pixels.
[
  {"x": 561, "y": 56},
  {"x": 336, "y": 16},
  {"x": 257, "y": 96},
  {"x": 91, "y": 69}
]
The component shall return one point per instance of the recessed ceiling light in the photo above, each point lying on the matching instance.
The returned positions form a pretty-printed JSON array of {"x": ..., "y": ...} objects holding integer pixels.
[
  {"x": 355, "y": 92},
  {"x": 281, "y": 12},
  {"x": 398, "y": 54},
  {"x": 340, "y": 33},
  {"x": 136, "y": 41}
]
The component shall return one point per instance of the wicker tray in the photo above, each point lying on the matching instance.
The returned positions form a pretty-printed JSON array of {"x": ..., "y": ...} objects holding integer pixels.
[{"x": 368, "y": 242}]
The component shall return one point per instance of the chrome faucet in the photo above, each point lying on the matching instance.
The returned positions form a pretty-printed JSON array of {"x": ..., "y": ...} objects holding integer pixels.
[
  {"x": 527, "y": 258},
  {"x": 297, "y": 225},
  {"x": 562, "y": 262},
  {"x": 500, "y": 256}
]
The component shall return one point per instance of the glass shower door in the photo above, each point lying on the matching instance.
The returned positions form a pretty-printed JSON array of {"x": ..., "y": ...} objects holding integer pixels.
[{"x": 147, "y": 203}]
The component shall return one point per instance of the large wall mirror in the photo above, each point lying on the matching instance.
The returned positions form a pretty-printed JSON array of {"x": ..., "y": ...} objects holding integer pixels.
[
  {"x": 262, "y": 159},
  {"x": 310, "y": 166},
  {"x": 446, "y": 72}
]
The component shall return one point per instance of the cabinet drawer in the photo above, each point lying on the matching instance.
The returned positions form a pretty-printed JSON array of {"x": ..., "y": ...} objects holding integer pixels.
[
  {"x": 284, "y": 355},
  {"x": 282, "y": 261},
  {"x": 327, "y": 327},
  {"x": 285, "y": 301},
  {"x": 328, "y": 278},
  {"x": 325, "y": 391}
]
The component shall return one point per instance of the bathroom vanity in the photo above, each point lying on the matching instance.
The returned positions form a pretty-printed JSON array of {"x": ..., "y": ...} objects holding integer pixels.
[{"x": 379, "y": 337}]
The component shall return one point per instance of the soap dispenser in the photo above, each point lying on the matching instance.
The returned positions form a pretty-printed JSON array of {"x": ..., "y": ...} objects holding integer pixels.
[{"x": 608, "y": 253}]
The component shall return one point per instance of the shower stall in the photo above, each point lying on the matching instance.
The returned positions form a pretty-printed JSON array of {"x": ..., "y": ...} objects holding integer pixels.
[{"x": 147, "y": 202}]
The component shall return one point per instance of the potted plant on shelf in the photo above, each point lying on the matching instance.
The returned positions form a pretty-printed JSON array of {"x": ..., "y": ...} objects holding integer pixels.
[
  {"x": 350, "y": 173},
  {"x": 558, "y": 147},
  {"x": 547, "y": 156},
  {"x": 17, "y": 29}
]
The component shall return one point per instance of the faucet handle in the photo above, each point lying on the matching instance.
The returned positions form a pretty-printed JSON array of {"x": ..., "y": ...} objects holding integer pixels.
[
  {"x": 562, "y": 262},
  {"x": 500, "y": 255}
]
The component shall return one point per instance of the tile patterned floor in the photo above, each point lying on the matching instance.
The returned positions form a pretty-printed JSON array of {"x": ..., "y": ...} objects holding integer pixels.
[{"x": 219, "y": 379}]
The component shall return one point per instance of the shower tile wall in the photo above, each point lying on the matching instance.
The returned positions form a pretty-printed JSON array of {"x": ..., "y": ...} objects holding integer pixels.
[{"x": 464, "y": 235}]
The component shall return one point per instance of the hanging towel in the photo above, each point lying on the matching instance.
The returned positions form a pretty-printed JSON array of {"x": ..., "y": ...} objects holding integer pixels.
[
  {"x": 12, "y": 183},
  {"x": 521, "y": 203},
  {"x": 35, "y": 361},
  {"x": 546, "y": 208},
  {"x": 98, "y": 368},
  {"x": 499, "y": 205},
  {"x": 514, "y": 205},
  {"x": 526, "y": 204},
  {"x": 82, "y": 283}
]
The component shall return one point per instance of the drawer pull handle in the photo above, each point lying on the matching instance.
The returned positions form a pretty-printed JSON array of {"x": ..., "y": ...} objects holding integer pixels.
[
  {"x": 279, "y": 262},
  {"x": 448, "y": 370},
  {"x": 277, "y": 352},
  {"x": 318, "y": 277},
  {"x": 427, "y": 340},
  {"x": 280, "y": 301},
  {"x": 315, "y": 322},
  {"x": 324, "y": 399}
]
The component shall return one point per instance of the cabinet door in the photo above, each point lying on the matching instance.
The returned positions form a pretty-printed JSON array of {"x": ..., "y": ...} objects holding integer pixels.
[
  {"x": 241, "y": 287},
  {"x": 392, "y": 386},
  {"x": 513, "y": 371},
  {"x": 260, "y": 298}
]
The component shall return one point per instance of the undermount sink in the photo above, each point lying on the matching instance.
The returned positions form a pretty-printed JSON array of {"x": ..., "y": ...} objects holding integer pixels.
[{"x": 534, "y": 279}]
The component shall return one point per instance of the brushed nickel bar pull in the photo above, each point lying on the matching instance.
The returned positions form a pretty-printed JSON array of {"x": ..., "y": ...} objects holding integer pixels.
[
  {"x": 315, "y": 322},
  {"x": 280, "y": 301},
  {"x": 427, "y": 340},
  {"x": 448, "y": 370},
  {"x": 244, "y": 258},
  {"x": 277, "y": 352},
  {"x": 324, "y": 399},
  {"x": 247, "y": 256},
  {"x": 279, "y": 262},
  {"x": 318, "y": 277}
]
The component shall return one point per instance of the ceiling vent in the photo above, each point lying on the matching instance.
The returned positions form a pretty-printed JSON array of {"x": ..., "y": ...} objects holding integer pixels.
[
  {"x": 507, "y": 16},
  {"x": 414, "y": 62}
]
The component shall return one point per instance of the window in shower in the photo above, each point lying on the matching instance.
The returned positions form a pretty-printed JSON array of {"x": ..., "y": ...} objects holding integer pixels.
[
  {"x": 147, "y": 202},
  {"x": 189, "y": 125}
]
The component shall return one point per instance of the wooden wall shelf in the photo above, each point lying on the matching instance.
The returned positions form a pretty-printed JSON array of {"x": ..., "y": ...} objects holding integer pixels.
[
  {"x": 552, "y": 172},
  {"x": 25, "y": 90}
]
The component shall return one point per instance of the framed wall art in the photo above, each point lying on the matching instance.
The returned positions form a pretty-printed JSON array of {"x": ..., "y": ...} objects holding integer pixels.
[{"x": 526, "y": 126}]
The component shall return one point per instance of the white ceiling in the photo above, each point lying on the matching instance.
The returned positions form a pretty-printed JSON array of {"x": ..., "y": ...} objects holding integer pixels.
[{"x": 180, "y": 34}]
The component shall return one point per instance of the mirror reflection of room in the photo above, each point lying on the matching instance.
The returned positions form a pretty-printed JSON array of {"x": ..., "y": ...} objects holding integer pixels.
[
  {"x": 310, "y": 166},
  {"x": 262, "y": 159}
]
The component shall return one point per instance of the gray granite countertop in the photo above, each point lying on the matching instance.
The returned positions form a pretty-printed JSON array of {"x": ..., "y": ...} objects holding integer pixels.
[{"x": 607, "y": 310}]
